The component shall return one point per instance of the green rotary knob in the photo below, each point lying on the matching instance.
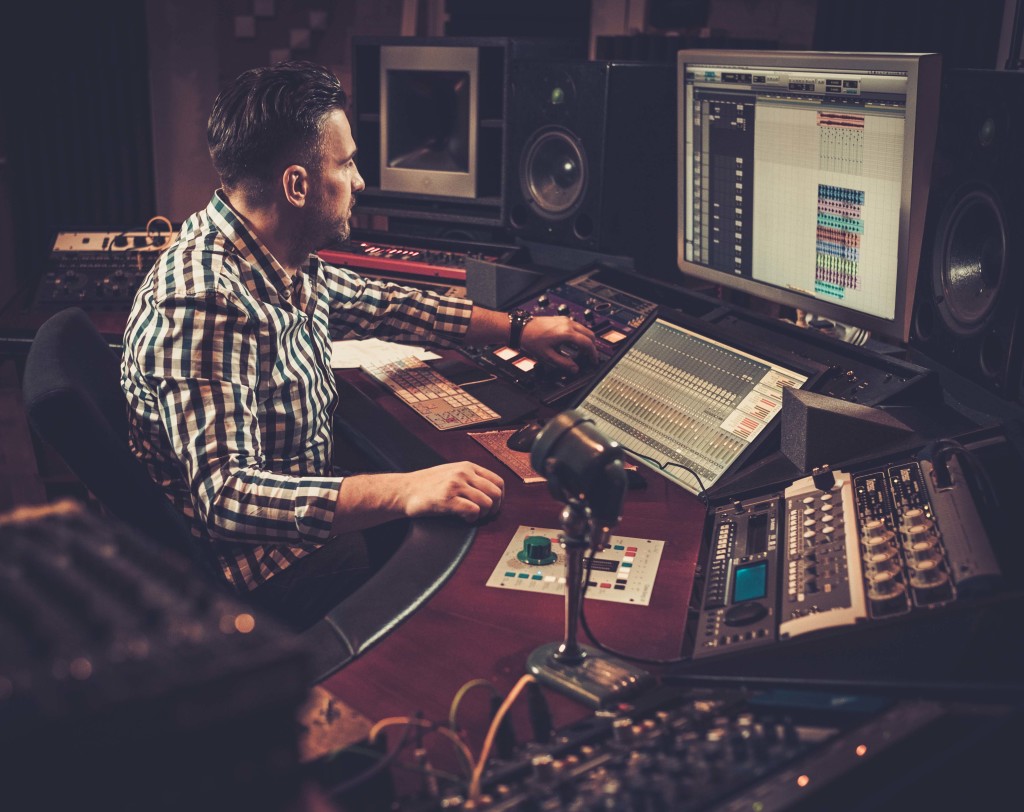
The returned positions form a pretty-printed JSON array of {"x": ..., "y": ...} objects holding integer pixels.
[{"x": 537, "y": 550}]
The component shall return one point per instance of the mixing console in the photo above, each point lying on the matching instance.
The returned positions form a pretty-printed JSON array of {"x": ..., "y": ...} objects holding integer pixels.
[
  {"x": 129, "y": 680},
  {"x": 686, "y": 403},
  {"x": 837, "y": 549},
  {"x": 612, "y": 314},
  {"x": 701, "y": 749},
  {"x": 856, "y": 374}
]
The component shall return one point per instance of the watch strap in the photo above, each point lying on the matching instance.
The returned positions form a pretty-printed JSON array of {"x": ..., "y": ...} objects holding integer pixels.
[{"x": 517, "y": 319}]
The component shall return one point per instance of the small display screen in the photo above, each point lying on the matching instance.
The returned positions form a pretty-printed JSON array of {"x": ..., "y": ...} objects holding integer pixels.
[
  {"x": 750, "y": 582},
  {"x": 506, "y": 353},
  {"x": 525, "y": 364}
]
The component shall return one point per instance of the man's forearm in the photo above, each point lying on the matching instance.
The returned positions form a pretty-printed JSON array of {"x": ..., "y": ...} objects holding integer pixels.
[
  {"x": 487, "y": 327},
  {"x": 453, "y": 489}
]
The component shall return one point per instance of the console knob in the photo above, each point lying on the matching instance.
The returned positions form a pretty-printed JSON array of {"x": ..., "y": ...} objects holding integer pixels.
[
  {"x": 543, "y": 300},
  {"x": 543, "y": 767},
  {"x": 882, "y": 559},
  {"x": 922, "y": 549},
  {"x": 920, "y": 532},
  {"x": 588, "y": 316},
  {"x": 877, "y": 536},
  {"x": 927, "y": 573},
  {"x": 563, "y": 309},
  {"x": 537, "y": 551}
]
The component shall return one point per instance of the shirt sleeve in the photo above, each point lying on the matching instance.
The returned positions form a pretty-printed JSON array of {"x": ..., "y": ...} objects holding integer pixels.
[
  {"x": 206, "y": 383},
  {"x": 371, "y": 307}
]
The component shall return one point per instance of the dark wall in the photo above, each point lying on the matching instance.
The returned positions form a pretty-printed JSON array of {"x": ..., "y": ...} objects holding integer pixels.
[
  {"x": 965, "y": 32},
  {"x": 76, "y": 106}
]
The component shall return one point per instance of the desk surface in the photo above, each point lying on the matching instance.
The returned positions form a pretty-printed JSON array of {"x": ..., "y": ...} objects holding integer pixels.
[{"x": 468, "y": 630}]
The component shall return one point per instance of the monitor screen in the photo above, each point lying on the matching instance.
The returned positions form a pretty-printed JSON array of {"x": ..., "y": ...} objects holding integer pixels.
[
  {"x": 803, "y": 178},
  {"x": 428, "y": 135}
]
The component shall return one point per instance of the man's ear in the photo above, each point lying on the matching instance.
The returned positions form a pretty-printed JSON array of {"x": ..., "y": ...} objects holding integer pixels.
[{"x": 295, "y": 183}]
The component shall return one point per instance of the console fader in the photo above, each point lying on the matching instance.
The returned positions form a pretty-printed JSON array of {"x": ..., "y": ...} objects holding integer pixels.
[{"x": 611, "y": 313}]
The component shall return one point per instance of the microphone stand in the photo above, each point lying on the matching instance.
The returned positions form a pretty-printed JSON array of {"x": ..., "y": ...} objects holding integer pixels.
[{"x": 588, "y": 675}]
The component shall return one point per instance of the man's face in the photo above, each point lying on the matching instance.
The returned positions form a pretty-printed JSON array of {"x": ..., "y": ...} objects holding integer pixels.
[{"x": 335, "y": 184}]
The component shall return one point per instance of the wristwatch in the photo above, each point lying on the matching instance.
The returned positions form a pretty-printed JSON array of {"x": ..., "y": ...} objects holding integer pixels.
[{"x": 517, "y": 319}]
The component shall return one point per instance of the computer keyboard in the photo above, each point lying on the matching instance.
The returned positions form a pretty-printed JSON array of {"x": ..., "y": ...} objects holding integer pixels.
[{"x": 444, "y": 404}]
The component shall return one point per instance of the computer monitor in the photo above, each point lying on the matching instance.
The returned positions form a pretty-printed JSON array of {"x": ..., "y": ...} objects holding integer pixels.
[
  {"x": 803, "y": 178},
  {"x": 429, "y": 122}
]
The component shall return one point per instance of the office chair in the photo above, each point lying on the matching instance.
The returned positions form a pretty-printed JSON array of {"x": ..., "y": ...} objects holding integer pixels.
[{"x": 75, "y": 404}]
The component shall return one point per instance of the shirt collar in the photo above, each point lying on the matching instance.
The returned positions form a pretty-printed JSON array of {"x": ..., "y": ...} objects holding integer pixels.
[{"x": 245, "y": 242}]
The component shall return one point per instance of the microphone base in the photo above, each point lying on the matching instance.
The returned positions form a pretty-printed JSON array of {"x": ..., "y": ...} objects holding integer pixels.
[{"x": 592, "y": 677}]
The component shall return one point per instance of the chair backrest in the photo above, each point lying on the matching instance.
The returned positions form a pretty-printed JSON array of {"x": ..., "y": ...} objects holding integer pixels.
[{"x": 75, "y": 404}]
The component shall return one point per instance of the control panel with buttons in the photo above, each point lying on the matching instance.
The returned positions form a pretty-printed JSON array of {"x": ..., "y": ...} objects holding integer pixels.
[
  {"x": 97, "y": 270},
  {"x": 840, "y": 549},
  {"x": 612, "y": 314}
]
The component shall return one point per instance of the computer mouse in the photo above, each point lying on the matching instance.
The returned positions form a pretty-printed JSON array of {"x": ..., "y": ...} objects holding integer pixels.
[{"x": 522, "y": 439}]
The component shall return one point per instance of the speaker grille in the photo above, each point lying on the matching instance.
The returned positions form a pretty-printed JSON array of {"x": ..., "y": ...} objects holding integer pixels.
[
  {"x": 969, "y": 261},
  {"x": 967, "y": 311},
  {"x": 553, "y": 173}
]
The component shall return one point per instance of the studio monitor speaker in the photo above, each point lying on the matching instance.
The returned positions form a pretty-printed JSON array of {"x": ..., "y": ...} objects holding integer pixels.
[
  {"x": 593, "y": 156},
  {"x": 967, "y": 311}
]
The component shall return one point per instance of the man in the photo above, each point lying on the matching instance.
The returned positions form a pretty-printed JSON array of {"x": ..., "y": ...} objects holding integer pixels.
[{"x": 227, "y": 354}]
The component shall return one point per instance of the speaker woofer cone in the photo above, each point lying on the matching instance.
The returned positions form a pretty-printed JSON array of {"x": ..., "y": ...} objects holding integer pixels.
[
  {"x": 553, "y": 173},
  {"x": 969, "y": 261}
]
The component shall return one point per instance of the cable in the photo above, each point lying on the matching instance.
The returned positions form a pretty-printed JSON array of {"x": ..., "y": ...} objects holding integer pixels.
[
  {"x": 485, "y": 752},
  {"x": 151, "y": 234},
  {"x": 369, "y": 773},
  {"x": 608, "y": 649},
  {"x": 461, "y": 693},
  {"x": 411, "y": 722},
  {"x": 664, "y": 466}
]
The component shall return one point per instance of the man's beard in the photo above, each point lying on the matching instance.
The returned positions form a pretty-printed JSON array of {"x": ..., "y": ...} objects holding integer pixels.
[{"x": 325, "y": 228}]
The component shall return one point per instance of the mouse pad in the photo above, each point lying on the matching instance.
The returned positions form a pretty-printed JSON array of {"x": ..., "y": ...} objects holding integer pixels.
[{"x": 518, "y": 461}]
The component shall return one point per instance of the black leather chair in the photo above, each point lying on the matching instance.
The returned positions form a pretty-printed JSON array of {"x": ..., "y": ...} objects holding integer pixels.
[{"x": 74, "y": 403}]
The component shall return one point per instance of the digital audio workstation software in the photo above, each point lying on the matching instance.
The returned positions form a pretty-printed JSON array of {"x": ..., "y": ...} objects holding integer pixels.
[{"x": 803, "y": 177}]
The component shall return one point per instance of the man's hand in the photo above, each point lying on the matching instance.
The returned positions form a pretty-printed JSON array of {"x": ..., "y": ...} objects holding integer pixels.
[
  {"x": 455, "y": 489},
  {"x": 544, "y": 338}
]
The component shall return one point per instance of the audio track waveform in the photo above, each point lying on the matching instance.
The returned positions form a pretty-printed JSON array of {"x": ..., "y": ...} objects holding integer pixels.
[{"x": 837, "y": 240}]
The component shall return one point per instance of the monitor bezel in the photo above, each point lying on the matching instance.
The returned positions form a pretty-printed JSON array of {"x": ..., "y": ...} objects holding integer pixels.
[
  {"x": 924, "y": 76},
  {"x": 430, "y": 59}
]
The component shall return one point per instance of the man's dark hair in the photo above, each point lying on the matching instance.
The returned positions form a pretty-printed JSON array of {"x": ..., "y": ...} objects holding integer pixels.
[{"x": 269, "y": 118}]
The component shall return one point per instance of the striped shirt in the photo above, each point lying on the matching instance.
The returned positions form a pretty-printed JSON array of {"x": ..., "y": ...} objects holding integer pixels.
[{"x": 230, "y": 391}]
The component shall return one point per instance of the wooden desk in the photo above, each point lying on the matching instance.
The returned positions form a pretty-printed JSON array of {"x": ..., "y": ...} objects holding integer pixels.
[{"x": 468, "y": 630}]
